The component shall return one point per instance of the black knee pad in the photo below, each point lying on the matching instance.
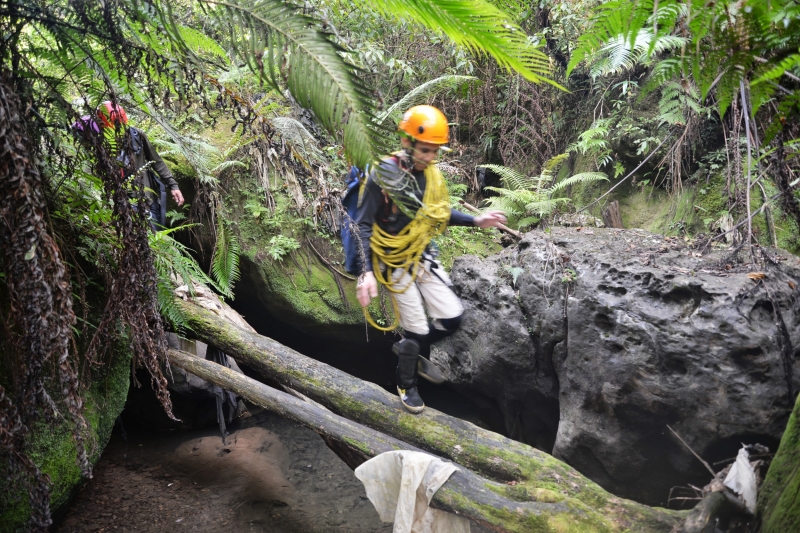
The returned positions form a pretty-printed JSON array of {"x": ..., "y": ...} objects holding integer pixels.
[
  {"x": 417, "y": 338},
  {"x": 449, "y": 325}
]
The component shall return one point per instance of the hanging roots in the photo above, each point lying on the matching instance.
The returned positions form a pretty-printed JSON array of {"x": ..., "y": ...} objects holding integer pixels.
[
  {"x": 132, "y": 290},
  {"x": 41, "y": 314}
]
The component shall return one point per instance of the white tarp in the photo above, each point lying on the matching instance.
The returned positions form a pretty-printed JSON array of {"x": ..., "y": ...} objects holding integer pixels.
[
  {"x": 742, "y": 480},
  {"x": 401, "y": 484}
]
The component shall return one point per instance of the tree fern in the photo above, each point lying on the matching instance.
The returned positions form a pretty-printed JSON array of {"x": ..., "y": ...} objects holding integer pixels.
[{"x": 525, "y": 199}]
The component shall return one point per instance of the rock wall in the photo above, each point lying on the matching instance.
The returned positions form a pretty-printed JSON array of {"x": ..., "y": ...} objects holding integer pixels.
[
  {"x": 588, "y": 343},
  {"x": 52, "y": 447}
]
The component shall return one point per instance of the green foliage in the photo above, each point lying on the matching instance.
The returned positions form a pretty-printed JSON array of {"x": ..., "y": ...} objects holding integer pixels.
[
  {"x": 256, "y": 209},
  {"x": 225, "y": 261},
  {"x": 175, "y": 266},
  {"x": 594, "y": 142},
  {"x": 618, "y": 55},
  {"x": 280, "y": 245},
  {"x": 525, "y": 199},
  {"x": 723, "y": 44},
  {"x": 479, "y": 26},
  {"x": 426, "y": 92},
  {"x": 514, "y": 272},
  {"x": 677, "y": 101}
]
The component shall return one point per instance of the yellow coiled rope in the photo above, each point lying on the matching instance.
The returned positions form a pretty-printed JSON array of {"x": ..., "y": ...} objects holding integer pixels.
[{"x": 405, "y": 249}]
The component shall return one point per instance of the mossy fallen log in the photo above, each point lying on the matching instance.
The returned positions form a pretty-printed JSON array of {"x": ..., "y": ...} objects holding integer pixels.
[
  {"x": 465, "y": 493},
  {"x": 531, "y": 475},
  {"x": 780, "y": 493}
]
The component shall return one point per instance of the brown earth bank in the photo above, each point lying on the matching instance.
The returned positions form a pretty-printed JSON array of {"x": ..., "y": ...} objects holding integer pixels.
[{"x": 271, "y": 475}]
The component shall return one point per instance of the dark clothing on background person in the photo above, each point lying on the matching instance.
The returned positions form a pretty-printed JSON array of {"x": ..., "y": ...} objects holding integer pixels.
[
  {"x": 375, "y": 207},
  {"x": 141, "y": 152},
  {"x": 137, "y": 153}
]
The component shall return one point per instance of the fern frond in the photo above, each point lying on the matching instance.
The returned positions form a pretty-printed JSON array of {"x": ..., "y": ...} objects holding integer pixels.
[
  {"x": 425, "y": 93},
  {"x": 225, "y": 260},
  {"x": 545, "y": 207},
  {"x": 583, "y": 177},
  {"x": 512, "y": 178},
  {"x": 200, "y": 43},
  {"x": 479, "y": 26}
]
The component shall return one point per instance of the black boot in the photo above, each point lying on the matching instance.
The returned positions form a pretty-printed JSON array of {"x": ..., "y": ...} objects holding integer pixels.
[
  {"x": 425, "y": 369},
  {"x": 411, "y": 400},
  {"x": 407, "y": 351}
]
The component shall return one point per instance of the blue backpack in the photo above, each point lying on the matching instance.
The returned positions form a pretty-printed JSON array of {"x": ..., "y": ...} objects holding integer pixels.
[{"x": 355, "y": 179}]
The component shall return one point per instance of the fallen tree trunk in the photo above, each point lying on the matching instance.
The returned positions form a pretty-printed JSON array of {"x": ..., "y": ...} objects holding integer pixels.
[
  {"x": 536, "y": 476},
  {"x": 465, "y": 493}
]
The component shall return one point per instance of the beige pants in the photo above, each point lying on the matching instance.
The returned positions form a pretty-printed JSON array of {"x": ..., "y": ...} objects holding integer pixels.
[{"x": 427, "y": 293}]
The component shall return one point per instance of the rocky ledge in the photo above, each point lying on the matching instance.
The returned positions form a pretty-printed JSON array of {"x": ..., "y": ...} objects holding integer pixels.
[{"x": 589, "y": 343}]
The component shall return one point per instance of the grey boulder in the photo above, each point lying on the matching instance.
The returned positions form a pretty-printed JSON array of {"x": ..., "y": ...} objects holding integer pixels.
[{"x": 589, "y": 343}]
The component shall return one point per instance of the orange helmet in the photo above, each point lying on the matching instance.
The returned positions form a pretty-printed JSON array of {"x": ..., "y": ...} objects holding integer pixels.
[
  {"x": 425, "y": 123},
  {"x": 110, "y": 114}
]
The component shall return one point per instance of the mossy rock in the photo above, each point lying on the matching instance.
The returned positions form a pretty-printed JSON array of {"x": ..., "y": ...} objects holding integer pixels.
[
  {"x": 298, "y": 290},
  {"x": 777, "y": 501},
  {"x": 53, "y": 450}
]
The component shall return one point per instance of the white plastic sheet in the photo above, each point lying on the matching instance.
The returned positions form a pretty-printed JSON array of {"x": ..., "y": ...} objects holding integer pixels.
[
  {"x": 401, "y": 484},
  {"x": 742, "y": 480}
]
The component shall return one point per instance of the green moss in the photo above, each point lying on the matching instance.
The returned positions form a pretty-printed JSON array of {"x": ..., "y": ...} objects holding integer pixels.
[
  {"x": 180, "y": 167},
  {"x": 53, "y": 450},
  {"x": 460, "y": 240},
  {"x": 554, "y": 518},
  {"x": 778, "y": 497},
  {"x": 358, "y": 445}
]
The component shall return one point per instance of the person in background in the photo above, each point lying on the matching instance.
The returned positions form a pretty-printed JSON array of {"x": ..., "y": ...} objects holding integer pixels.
[{"x": 136, "y": 154}]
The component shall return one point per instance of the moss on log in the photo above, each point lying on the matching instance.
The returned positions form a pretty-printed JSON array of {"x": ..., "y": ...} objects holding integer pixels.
[
  {"x": 778, "y": 500},
  {"x": 465, "y": 493},
  {"x": 536, "y": 476}
]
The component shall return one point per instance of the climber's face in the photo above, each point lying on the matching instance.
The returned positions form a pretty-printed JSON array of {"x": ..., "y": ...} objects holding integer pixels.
[{"x": 422, "y": 153}]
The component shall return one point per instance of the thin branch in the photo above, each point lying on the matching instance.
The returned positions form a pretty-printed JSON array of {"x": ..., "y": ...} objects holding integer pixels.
[
  {"x": 746, "y": 113},
  {"x": 713, "y": 474},
  {"x": 327, "y": 263}
]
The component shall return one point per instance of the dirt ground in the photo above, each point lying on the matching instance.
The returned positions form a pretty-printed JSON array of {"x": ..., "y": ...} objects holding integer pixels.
[{"x": 271, "y": 476}]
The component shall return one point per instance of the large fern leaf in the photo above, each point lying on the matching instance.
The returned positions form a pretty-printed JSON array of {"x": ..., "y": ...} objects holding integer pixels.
[
  {"x": 425, "y": 93},
  {"x": 225, "y": 261},
  {"x": 583, "y": 177},
  {"x": 479, "y": 26}
]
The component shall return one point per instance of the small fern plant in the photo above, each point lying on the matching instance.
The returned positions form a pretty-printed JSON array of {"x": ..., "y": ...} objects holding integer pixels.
[
  {"x": 175, "y": 266},
  {"x": 594, "y": 143},
  {"x": 527, "y": 199},
  {"x": 679, "y": 101}
]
